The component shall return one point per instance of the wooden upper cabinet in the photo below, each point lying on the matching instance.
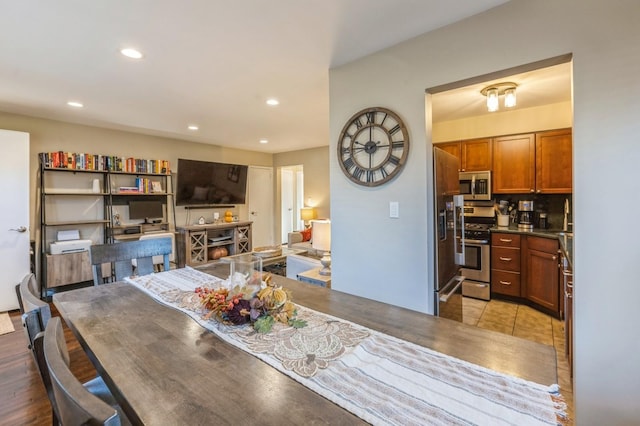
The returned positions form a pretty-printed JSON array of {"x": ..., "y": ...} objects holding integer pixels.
[
  {"x": 452, "y": 148},
  {"x": 474, "y": 154},
  {"x": 553, "y": 162},
  {"x": 514, "y": 164}
]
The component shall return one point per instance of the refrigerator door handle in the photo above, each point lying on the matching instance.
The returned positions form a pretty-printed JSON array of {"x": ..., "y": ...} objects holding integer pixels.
[
  {"x": 459, "y": 245},
  {"x": 455, "y": 282}
]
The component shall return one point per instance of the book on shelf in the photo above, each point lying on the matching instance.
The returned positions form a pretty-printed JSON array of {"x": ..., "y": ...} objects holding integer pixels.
[{"x": 99, "y": 162}]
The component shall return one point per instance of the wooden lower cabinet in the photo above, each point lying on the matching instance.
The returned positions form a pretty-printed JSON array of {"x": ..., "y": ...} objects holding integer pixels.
[
  {"x": 507, "y": 283},
  {"x": 525, "y": 268},
  {"x": 505, "y": 264},
  {"x": 541, "y": 285}
]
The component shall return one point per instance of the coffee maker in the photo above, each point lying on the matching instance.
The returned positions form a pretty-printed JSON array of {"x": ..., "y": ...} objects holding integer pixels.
[{"x": 525, "y": 214}]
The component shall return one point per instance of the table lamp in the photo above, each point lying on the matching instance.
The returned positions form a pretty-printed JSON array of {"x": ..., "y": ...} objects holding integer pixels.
[
  {"x": 307, "y": 214},
  {"x": 322, "y": 241}
]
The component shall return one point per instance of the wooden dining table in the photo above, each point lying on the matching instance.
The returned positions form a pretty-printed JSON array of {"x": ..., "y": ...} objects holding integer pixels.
[{"x": 166, "y": 369}]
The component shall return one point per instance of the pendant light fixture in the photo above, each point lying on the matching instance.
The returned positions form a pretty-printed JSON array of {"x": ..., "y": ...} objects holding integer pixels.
[{"x": 494, "y": 91}]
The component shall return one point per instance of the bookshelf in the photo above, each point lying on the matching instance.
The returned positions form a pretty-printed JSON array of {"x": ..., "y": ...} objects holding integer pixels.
[{"x": 90, "y": 194}]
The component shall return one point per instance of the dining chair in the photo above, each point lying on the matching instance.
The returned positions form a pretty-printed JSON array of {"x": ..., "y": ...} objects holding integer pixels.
[
  {"x": 76, "y": 403},
  {"x": 159, "y": 260},
  {"x": 35, "y": 312},
  {"x": 120, "y": 255}
]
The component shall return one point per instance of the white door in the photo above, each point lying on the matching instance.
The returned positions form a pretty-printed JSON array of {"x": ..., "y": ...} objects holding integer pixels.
[
  {"x": 260, "y": 197},
  {"x": 287, "y": 197},
  {"x": 14, "y": 215}
]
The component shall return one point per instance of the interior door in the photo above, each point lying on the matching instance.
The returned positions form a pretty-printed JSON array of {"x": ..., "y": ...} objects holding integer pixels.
[
  {"x": 14, "y": 217},
  {"x": 287, "y": 197},
  {"x": 260, "y": 197}
]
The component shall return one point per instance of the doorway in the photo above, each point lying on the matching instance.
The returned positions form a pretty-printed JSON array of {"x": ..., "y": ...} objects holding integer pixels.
[
  {"x": 291, "y": 199},
  {"x": 14, "y": 249}
]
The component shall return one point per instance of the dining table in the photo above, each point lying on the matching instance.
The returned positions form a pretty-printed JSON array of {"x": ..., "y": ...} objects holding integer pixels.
[{"x": 165, "y": 368}]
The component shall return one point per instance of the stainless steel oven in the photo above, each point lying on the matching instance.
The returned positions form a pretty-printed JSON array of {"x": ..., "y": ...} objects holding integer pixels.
[
  {"x": 479, "y": 217},
  {"x": 476, "y": 270},
  {"x": 475, "y": 185}
]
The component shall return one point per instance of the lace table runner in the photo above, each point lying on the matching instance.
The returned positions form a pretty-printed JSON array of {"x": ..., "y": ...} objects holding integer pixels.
[{"x": 381, "y": 379}]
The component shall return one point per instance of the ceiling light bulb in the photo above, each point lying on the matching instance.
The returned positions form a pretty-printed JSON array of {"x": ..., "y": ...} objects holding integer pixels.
[
  {"x": 131, "y": 53},
  {"x": 264, "y": 141},
  {"x": 192, "y": 127},
  {"x": 492, "y": 99},
  {"x": 75, "y": 104},
  {"x": 510, "y": 97},
  {"x": 273, "y": 102}
]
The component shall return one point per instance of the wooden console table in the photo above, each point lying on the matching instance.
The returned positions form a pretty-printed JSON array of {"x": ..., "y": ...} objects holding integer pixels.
[{"x": 195, "y": 241}]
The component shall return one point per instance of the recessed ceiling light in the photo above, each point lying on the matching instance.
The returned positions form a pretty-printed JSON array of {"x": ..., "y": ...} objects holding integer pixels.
[
  {"x": 264, "y": 141},
  {"x": 273, "y": 102},
  {"x": 131, "y": 53},
  {"x": 75, "y": 104},
  {"x": 193, "y": 127}
]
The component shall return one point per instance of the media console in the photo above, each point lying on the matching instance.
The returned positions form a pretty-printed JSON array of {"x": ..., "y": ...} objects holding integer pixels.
[{"x": 195, "y": 242}]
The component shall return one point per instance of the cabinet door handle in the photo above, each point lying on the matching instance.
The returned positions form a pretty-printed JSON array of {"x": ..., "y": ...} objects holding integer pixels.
[
  {"x": 506, "y": 240},
  {"x": 505, "y": 282},
  {"x": 505, "y": 259}
]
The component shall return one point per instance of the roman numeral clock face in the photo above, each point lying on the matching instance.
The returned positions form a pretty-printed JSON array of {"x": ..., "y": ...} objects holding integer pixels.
[{"x": 373, "y": 146}]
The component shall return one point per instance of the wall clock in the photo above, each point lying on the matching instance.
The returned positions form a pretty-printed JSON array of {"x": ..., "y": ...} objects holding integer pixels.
[{"x": 373, "y": 146}]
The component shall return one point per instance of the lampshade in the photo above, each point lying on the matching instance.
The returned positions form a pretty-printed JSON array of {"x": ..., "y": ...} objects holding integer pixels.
[
  {"x": 492, "y": 99},
  {"x": 510, "y": 98},
  {"x": 321, "y": 235},
  {"x": 307, "y": 213}
]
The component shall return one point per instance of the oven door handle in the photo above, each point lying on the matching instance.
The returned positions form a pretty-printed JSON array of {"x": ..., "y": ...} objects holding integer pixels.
[{"x": 455, "y": 282}]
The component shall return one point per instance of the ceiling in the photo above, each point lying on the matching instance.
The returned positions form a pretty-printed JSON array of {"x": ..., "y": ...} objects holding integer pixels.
[
  {"x": 206, "y": 62},
  {"x": 535, "y": 88}
]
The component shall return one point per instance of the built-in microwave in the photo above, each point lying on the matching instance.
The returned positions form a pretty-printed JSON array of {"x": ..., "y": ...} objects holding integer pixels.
[{"x": 475, "y": 185}]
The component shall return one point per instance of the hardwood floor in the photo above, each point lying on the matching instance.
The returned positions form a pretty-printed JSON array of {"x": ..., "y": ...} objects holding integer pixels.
[{"x": 24, "y": 400}]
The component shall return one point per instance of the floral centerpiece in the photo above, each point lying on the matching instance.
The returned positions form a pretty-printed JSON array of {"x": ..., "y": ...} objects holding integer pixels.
[{"x": 257, "y": 301}]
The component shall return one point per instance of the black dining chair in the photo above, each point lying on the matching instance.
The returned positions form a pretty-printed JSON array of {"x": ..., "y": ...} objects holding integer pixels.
[
  {"x": 120, "y": 255},
  {"x": 76, "y": 403}
]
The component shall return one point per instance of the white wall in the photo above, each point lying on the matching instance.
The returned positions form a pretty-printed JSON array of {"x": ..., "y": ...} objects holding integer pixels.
[{"x": 391, "y": 260}]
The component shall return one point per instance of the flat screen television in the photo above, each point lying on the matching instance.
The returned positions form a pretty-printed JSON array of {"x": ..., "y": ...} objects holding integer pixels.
[
  {"x": 147, "y": 209},
  {"x": 208, "y": 183}
]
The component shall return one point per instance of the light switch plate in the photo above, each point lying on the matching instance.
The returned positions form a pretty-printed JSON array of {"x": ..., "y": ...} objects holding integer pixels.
[{"x": 394, "y": 209}]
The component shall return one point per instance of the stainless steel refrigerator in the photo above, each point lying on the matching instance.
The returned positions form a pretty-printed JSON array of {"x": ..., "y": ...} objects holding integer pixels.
[{"x": 449, "y": 244}]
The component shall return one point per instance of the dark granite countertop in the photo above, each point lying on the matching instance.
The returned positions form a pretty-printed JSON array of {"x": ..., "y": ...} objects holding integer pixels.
[{"x": 566, "y": 241}]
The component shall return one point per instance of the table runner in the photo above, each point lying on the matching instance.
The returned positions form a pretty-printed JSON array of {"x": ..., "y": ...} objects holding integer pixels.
[{"x": 381, "y": 379}]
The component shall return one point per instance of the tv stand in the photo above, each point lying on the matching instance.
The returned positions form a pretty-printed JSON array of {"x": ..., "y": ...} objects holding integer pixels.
[{"x": 196, "y": 243}]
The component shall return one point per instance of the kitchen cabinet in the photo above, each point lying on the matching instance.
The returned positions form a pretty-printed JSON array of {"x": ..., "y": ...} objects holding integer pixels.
[
  {"x": 474, "y": 154},
  {"x": 514, "y": 164},
  {"x": 505, "y": 264},
  {"x": 533, "y": 163},
  {"x": 541, "y": 277},
  {"x": 554, "y": 162}
]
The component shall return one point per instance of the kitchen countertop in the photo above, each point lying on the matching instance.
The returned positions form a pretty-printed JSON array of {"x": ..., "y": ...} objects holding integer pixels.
[{"x": 566, "y": 241}]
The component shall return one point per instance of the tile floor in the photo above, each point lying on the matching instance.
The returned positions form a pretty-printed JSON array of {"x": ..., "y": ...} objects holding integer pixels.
[{"x": 523, "y": 321}]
